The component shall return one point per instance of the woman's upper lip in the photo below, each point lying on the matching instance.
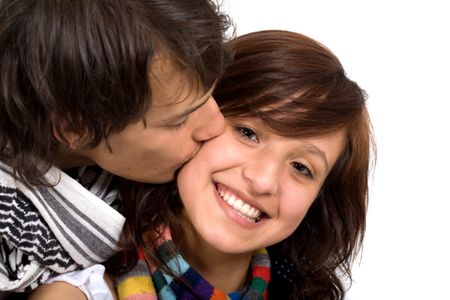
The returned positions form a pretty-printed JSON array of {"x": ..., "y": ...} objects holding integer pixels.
[{"x": 245, "y": 198}]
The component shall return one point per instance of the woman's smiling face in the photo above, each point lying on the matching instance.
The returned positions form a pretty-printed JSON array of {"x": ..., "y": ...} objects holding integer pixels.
[{"x": 250, "y": 188}]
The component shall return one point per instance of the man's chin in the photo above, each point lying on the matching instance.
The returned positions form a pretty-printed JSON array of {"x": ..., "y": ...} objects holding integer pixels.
[
  {"x": 164, "y": 179},
  {"x": 156, "y": 178}
]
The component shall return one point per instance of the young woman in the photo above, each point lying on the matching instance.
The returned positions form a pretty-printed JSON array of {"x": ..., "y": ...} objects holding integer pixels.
[{"x": 274, "y": 208}]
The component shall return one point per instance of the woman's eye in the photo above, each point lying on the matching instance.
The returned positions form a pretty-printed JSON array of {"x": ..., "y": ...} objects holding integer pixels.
[
  {"x": 302, "y": 169},
  {"x": 248, "y": 133}
]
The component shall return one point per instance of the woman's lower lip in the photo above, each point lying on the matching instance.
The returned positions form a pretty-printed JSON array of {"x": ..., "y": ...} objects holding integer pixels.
[{"x": 234, "y": 215}]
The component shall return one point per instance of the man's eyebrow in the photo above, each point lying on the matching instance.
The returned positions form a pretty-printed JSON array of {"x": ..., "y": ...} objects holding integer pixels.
[
  {"x": 183, "y": 114},
  {"x": 314, "y": 150}
]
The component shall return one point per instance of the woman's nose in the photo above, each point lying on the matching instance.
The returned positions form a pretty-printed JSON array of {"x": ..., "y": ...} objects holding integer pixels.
[{"x": 263, "y": 174}]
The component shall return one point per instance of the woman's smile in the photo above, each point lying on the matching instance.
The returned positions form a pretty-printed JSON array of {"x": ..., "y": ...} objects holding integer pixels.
[{"x": 244, "y": 209}]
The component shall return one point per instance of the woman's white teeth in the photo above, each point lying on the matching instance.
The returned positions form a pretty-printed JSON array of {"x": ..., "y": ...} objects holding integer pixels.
[
  {"x": 238, "y": 204},
  {"x": 245, "y": 208},
  {"x": 248, "y": 212}
]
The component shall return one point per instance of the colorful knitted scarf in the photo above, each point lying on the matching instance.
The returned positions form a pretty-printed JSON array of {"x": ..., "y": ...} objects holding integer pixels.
[{"x": 142, "y": 284}]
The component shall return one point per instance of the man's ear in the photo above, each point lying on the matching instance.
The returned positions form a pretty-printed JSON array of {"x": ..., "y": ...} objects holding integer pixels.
[{"x": 65, "y": 135}]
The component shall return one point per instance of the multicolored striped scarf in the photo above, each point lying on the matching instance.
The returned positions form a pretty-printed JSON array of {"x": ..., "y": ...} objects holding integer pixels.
[{"x": 144, "y": 284}]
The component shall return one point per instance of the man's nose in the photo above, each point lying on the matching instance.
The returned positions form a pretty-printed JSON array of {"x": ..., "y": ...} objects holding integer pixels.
[{"x": 211, "y": 122}]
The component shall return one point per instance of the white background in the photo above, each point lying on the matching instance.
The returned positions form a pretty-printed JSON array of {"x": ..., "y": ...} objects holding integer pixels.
[{"x": 398, "y": 51}]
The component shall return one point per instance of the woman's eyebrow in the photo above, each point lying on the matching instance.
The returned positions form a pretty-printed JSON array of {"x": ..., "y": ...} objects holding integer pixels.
[{"x": 316, "y": 151}]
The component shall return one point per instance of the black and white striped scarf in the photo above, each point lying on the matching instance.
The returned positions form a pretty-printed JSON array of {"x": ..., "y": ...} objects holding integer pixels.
[{"x": 47, "y": 230}]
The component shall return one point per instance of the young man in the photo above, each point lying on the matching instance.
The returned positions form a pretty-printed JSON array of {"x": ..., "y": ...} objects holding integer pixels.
[{"x": 111, "y": 86}]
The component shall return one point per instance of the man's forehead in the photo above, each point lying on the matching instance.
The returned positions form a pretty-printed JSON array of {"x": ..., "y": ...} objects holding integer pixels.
[{"x": 171, "y": 85}]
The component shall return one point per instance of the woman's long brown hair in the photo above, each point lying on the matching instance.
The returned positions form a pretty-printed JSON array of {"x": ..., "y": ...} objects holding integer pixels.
[{"x": 299, "y": 89}]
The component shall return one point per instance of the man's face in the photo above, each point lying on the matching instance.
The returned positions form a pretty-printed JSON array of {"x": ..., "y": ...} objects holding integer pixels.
[{"x": 181, "y": 117}]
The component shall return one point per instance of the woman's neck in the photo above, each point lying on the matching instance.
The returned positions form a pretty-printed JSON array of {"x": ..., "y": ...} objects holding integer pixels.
[{"x": 225, "y": 271}]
